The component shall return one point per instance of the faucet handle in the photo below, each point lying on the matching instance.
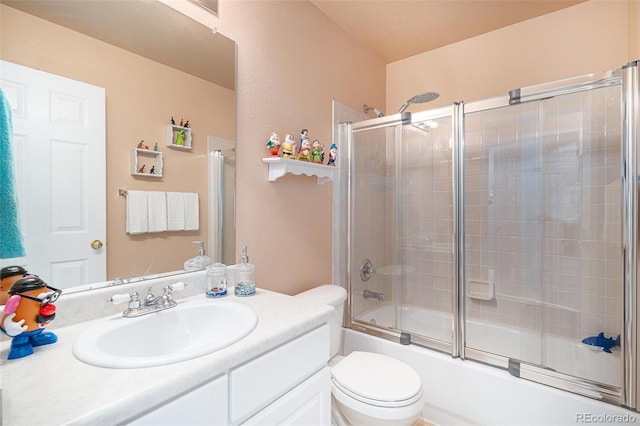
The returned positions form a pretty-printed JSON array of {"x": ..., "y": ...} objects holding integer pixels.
[
  {"x": 119, "y": 298},
  {"x": 177, "y": 286}
]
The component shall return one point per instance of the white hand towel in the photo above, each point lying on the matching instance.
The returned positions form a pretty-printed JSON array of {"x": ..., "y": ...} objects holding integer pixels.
[
  {"x": 157, "y": 211},
  {"x": 175, "y": 211},
  {"x": 191, "y": 211},
  {"x": 137, "y": 220}
]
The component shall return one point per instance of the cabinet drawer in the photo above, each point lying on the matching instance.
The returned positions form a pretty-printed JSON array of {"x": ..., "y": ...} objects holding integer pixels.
[{"x": 259, "y": 382}]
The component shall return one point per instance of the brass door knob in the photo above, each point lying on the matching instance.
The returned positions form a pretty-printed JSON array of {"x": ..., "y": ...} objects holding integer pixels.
[{"x": 96, "y": 244}]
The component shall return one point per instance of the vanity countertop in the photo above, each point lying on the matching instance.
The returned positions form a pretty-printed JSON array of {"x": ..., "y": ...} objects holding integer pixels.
[{"x": 53, "y": 387}]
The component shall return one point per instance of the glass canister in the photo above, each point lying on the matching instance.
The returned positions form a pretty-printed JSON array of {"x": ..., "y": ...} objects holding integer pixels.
[
  {"x": 245, "y": 283},
  {"x": 216, "y": 277}
]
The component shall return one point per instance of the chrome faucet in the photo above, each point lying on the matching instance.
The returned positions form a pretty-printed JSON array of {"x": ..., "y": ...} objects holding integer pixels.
[
  {"x": 150, "y": 303},
  {"x": 368, "y": 294}
]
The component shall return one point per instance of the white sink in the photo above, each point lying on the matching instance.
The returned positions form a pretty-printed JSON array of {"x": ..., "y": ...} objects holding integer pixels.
[{"x": 187, "y": 331}]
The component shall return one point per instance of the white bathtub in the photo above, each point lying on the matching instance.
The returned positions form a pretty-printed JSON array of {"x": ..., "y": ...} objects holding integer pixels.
[{"x": 465, "y": 392}]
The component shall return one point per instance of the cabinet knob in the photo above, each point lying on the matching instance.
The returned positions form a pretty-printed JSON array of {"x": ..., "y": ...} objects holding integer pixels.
[{"x": 96, "y": 244}]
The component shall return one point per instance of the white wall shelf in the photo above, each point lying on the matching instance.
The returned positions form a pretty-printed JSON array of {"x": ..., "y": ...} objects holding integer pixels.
[
  {"x": 151, "y": 160},
  {"x": 172, "y": 137},
  {"x": 279, "y": 167}
]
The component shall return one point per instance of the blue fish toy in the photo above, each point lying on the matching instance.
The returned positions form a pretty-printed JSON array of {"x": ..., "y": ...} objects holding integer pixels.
[{"x": 606, "y": 343}]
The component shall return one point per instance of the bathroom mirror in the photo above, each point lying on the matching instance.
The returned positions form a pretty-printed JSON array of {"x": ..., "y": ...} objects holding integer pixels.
[{"x": 164, "y": 65}]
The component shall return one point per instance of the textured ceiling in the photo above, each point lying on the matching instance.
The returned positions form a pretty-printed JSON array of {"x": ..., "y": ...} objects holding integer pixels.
[
  {"x": 397, "y": 29},
  {"x": 147, "y": 28}
]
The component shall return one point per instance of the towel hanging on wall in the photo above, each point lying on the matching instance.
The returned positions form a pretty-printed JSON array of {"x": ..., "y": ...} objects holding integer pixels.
[
  {"x": 137, "y": 220},
  {"x": 157, "y": 205},
  {"x": 12, "y": 242},
  {"x": 191, "y": 211},
  {"x": 175, "y": 211}
]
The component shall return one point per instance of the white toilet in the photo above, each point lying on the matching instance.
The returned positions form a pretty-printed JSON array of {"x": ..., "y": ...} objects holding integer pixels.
[{"x": 367, "y": 388}]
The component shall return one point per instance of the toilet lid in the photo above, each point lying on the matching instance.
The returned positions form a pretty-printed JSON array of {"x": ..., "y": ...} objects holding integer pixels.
[{"x": 377, "y": 379}]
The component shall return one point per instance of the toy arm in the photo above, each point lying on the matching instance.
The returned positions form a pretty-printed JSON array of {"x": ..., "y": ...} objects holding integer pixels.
[
  {"x": 13, "y": 328},
  {"x": 8, "y": 325}
]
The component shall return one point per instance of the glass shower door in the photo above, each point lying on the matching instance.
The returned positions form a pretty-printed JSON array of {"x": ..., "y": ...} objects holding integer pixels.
[
  {"x": 543, "y": 234},
  {"x": 402, "y": 228}
]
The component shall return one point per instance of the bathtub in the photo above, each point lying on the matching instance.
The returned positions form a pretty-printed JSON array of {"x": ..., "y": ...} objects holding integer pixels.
[{"x": 469, "y": 393}]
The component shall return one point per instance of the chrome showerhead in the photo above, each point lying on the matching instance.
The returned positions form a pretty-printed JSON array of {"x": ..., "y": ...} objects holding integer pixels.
[
  {"x": 419, "y": 99},
  {"x": 377, "y": 112}
]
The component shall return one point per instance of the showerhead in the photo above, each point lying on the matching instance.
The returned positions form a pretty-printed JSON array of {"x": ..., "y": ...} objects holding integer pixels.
[{"x": 419, "y": 99}]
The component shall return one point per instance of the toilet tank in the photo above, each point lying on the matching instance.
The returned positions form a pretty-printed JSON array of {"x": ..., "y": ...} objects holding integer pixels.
[{"x": 334, "y": 296}]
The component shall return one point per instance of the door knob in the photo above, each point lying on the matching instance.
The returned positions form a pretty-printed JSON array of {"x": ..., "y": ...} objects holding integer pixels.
[{"x": 96, "y": 244}]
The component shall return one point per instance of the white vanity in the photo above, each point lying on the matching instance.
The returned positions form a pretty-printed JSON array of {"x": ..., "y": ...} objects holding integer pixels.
[{"x": 276, "y": 374}]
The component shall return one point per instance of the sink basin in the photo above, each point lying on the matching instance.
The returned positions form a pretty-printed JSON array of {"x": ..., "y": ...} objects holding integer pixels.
[{"x": 187, "y": 331}]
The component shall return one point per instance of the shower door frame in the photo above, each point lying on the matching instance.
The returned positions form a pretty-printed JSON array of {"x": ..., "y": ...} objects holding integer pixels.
[{"x": 628, "y": 78}]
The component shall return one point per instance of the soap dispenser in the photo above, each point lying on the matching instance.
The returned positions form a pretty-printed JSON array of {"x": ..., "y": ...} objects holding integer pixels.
[
  {"x": 199, "y": 262},
  {"x": 245, "y": 276}
]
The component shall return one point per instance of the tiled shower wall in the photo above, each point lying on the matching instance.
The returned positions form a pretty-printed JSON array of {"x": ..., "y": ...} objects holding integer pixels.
[{"x": 543, "y": 214}]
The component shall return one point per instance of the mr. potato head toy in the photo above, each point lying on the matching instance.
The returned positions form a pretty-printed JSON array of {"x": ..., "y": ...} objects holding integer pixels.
[
  {"x": 27, "y": 311},
  {"x": 9, "y": 275}
]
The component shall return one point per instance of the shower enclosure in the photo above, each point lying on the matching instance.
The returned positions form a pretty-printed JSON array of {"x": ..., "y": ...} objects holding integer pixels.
[{"x": 504, "y": 231}]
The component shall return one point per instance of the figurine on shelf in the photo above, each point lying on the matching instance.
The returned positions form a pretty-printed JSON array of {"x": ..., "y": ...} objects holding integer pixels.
[
  {"x": 317, "y": 152},
  {"x": 273, "y": 144},
  {"x": 180, "y": 137},
  {"x": 173, "y": 122},
  {"x": 304, "y": 135},
  {"x": 141, "y": 145},
  {"x": 333, "y": 152},
  {"x": 29, "y": 308},
  {"x": 155, "y": 147},
  {"x": 153, "y": 170},
  {"x": 288, "y": 146},
  {"x": 181, "y": 122},
  {"x": 141, "y": 169},
  {"x": 186, "y": 124},
  {"x": 305, "y": 150}
]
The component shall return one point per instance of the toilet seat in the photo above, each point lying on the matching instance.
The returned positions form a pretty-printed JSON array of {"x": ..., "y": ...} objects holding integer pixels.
[{"x": 377, "y": 380}]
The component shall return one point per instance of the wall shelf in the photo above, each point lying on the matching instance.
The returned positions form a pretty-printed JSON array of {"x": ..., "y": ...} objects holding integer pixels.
[
  {"x": 151, "y": 160},
  {"x": 172, "y": 132},
  {"x": 279, "y": 167}
]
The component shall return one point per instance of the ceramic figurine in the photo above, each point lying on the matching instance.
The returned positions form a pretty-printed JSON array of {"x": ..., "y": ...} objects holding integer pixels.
[
  {"x": 141, "y": 169},
  {"x": 305, "y": 150},
  {"x": 317, "y": 152},
  {"x": 186, "y": 124},
  {"x": 173, "y": 122},
  {"x": 288, "y": 146},
  {"x": 27, "y": 311},
  {"x": 304, "y": 135},
  {"x": 9, "y": 275},
  {"x": 141, "y": 145},
  {"x": 155, "y": 147},
  {"x": 153, "y": 170},
  {"x": 273, "y": 144},
  {"x": 181, "y": 122},
  {"x": 333, "y": 152},
  {"x": 180, "y": 137}
]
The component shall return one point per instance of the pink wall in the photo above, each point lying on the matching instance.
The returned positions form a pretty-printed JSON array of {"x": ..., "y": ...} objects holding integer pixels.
[
  {"x": 589, "y": 37},
  {"x": 292, "y": 62}
]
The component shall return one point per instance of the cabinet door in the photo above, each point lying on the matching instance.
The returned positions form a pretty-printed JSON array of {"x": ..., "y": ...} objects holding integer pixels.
[
  {"x": 308, "y": 404},
  {"x": 207, "y": 405}
]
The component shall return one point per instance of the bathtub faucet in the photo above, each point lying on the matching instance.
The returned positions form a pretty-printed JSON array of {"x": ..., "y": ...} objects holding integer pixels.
[{"x": 368, "y": 294}]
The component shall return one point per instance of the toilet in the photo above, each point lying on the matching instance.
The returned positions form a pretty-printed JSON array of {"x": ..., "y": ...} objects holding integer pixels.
[{"x": 366, "y": 388}]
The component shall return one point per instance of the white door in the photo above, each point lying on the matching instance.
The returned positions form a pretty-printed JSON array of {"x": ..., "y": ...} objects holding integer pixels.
[{"x": 59, "y": 151}]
